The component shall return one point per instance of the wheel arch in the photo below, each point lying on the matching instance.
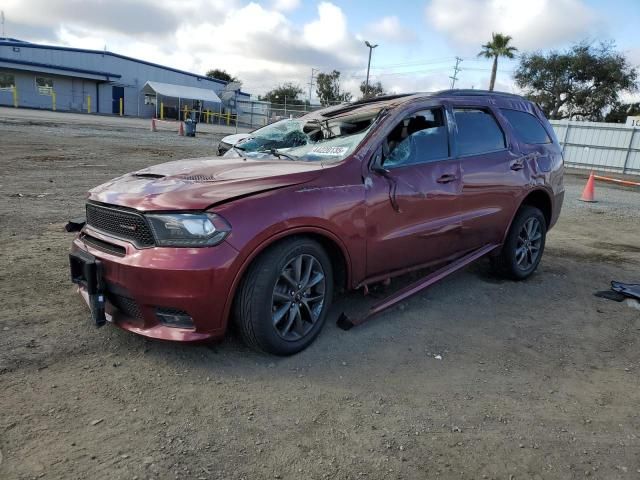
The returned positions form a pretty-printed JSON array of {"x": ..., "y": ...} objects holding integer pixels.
[
  {"x": 538, "y": 198},
  {"x": 542, "y": 201},
  {"x": 338, "y": 254}
]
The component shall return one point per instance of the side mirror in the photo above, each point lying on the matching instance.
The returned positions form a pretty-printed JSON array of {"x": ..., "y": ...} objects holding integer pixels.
[{"x": 378, "y": 158}]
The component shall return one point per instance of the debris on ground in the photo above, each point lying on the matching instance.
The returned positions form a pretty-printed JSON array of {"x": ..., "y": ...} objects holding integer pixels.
[{"x": 631, "y": 290}]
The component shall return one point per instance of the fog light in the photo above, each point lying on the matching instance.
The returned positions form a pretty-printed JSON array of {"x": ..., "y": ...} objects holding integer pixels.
[{"x": 172, "y": 317}]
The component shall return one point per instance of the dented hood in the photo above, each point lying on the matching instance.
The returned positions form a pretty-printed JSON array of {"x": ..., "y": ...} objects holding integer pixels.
[{"x": 196, "y": 184}]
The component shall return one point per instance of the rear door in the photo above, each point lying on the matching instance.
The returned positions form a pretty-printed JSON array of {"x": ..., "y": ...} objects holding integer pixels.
[
  {"x": 535, "y": 142},
  {"x": 492, "y": 179},
  {"x": 412, "y": 210}
]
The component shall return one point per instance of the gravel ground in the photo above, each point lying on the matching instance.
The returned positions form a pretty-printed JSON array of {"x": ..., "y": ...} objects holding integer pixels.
[{"x": 475, "y": 378}]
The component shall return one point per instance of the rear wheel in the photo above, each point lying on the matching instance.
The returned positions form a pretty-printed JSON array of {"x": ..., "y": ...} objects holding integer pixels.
[
  {"x": 283, "y": 300},
  {"x": 523, "y": 248}
]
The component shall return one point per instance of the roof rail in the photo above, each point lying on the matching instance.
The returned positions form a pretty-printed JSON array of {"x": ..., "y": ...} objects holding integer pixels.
[
  {"x": 380, "y": 98},
  {"x": 473, "y": 92}
]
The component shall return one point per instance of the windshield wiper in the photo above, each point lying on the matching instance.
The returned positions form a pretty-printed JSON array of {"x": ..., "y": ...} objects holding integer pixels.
[
  {"x": 278, "y": 154},
  {"x": 239, "y": 151}
]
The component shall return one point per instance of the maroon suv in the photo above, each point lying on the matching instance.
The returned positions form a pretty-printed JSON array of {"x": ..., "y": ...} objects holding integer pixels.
[{"x": 341, "y": 198}]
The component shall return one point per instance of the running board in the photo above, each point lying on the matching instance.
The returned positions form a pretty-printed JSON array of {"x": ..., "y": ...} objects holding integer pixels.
[{"x": 347, "y": 323}]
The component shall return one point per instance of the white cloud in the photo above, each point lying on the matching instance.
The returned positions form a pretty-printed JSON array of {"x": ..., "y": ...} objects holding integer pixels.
[
  {"x": 285, "y": 5},
  {"x": 533, "y": 24},
  {"x": 329, "y": 30},
  {"x": 390, "y": 29},
  {"x": 256, "y": 42},
  {"x": 263, "y": 48}
]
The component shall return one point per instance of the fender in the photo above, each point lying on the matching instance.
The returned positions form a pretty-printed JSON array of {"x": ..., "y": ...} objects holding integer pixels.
[{"x": 302, "y": 229}]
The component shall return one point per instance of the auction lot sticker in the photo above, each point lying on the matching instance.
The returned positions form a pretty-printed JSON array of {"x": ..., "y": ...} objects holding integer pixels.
[{"x": 329, "y": 151}]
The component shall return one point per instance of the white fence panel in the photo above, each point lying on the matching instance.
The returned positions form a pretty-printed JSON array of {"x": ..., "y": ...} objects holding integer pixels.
[{"x": 610, "y": 147}]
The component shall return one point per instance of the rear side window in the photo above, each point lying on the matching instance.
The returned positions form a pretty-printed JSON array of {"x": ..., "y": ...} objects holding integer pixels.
[
  {"x": 527, "y": 127},
  {"x": 478, "y": 132}
]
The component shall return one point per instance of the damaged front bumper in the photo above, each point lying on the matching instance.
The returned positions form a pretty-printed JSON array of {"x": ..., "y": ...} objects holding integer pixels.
[{"x": 179, "y": 294}]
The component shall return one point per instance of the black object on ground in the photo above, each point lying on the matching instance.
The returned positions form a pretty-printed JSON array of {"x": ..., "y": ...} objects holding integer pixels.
[
  {"x": 611, "y": 295},
  {"x": 631, "y": 290}
]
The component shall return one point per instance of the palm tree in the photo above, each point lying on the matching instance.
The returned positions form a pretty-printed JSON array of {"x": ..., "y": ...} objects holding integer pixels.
[{"x": 497, "y": 47}]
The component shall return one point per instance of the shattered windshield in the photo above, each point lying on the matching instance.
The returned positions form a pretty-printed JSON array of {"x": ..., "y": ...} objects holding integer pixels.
[{"x": 316, "y": 139}]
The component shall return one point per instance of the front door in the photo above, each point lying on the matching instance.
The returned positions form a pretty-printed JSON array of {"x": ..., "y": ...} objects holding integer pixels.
[
  {"x": 117, "y": 94},
  {"x": 413, "y": 216}
]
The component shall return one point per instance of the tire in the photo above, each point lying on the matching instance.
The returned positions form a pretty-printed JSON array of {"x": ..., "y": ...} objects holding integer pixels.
[
  {"x": 524, "y": 245},
  {"x": 276, "y": 313}
]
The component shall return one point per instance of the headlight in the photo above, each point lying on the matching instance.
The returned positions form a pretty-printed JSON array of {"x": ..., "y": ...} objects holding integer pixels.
[{"x": 188, "y": 229}]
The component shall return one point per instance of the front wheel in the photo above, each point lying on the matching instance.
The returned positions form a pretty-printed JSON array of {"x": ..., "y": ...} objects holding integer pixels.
[
  {"x": 524, "y": 245},
  {"x": 283, "y": 300}
]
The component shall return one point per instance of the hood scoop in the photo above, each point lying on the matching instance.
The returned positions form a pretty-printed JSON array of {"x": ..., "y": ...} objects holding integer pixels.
[
  {"x": 148, "y": 175},
  {"x": 195, "y": 178}
]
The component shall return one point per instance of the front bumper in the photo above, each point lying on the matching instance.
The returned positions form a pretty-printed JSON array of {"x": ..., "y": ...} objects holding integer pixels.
[{"x": 192, "y": 280}]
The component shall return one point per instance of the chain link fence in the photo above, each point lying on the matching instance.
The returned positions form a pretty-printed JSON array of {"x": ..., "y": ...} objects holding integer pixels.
[{"x": 256, "y": 113}]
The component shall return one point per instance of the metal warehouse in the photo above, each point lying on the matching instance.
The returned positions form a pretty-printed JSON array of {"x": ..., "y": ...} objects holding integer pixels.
[{"x": 94, "y": 81}]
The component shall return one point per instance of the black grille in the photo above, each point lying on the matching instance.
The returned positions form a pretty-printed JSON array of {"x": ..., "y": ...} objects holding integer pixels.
[
  {"x": 127, "y": 306},
  {"x": 120, "y": 224},
  {"x": 102, "y": 245}
]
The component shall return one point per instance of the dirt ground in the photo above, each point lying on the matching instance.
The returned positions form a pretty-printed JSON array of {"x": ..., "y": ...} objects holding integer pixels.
[{"x": 538, "y": 379}]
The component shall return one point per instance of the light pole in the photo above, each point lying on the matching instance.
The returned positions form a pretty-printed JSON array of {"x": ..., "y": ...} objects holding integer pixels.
[
  {"x": 285, "y": 103},
  {"x": 371, "y": 47}
]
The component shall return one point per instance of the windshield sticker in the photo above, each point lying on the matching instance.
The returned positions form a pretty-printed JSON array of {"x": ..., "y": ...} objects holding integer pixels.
[{"x": 329, "y": 151}]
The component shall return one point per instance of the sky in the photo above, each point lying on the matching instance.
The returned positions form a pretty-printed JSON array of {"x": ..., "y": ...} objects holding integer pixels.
[{"x": 268, "y": 42}]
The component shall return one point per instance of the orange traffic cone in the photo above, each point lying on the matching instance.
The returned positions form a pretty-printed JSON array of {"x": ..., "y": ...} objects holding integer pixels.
[
  {"x": 153, "y": 125},
  {"x": 181, "y": 130},
  {"x": 588, "y": 193}
]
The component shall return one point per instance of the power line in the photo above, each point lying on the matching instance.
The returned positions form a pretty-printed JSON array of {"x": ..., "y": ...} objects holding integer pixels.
[
  {"x": 456, "y": 69},
  {"x": 405, "y": 64}
]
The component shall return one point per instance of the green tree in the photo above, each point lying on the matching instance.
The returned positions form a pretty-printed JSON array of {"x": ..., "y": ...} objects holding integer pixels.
[
  {"x": 620, "y": 112},
  {"x": 219, "y": 74},
  {"x": 375, "y": 89},
  {"x": 328, "y": 88},
  {"x": 583, "y": 81},
  {"x": 287, "y": 90},
  {"x": 496, "y": 48}
]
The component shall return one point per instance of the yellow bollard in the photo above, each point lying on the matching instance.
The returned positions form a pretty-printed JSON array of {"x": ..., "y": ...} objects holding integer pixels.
[
  {"x": 88, "y": 103},
  {"x": 161, "y": 110},
  {"x": 15, "y": 96},
  {"x": 53, "y": 100},
  {"x": 121, "y": 106},
  {"x": 228, "y": 118}
]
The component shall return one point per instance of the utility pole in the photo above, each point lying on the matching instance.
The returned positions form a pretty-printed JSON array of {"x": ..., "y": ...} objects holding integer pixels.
[
  {"x": 371, "y": 47},
  {"x": 456, "y": 69},
  {"x": 2, "y": 21},
  {"x": 313, "y": 74}
]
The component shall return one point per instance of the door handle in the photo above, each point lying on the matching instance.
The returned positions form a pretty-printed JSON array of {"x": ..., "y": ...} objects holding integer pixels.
[
  {"x": 447, "y": 178},
  {"x": 517, "y": 165}
]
